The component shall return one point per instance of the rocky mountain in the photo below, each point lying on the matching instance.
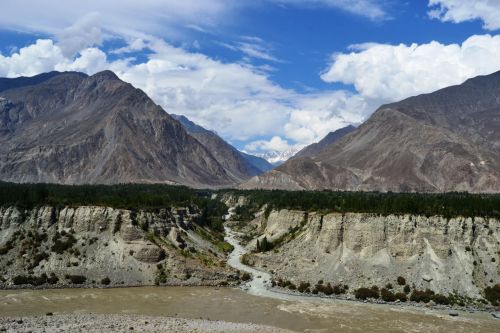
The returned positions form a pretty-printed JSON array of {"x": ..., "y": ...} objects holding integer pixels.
[
  {"x": 315, "y": 148},
  {"x": 72, "y": 128},
  {"x": 240, "y": 165},
  {"x": 448, "y": 140}
]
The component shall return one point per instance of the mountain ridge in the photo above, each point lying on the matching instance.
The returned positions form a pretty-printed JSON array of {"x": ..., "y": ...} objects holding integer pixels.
[
  {"x": 444, "y": 141},
  {"x": 78, "y": 129}
]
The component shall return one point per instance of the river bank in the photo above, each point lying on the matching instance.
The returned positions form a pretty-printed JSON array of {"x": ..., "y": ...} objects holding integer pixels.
[{"x": 121, "y": 323}]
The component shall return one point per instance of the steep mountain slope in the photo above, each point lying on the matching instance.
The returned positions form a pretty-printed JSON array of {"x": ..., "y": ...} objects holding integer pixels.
[
  {"x": 23, "y": 81},
  {"x": 315, "y": 148},
  {"x": 240, "y": 165},
  {"x": 445, "y": 141},
  {"x": 75, "y": 129}
]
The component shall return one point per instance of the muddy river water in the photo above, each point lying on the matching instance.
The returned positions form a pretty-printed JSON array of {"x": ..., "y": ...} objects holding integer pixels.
[{"x": 256, "y": 305}]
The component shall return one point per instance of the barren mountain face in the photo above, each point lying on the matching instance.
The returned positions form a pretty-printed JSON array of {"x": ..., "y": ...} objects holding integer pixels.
[
  {"x": 73, "y": 129},
  {"x": 445, "y": 141},
  {"x": 237, "y": 164}
]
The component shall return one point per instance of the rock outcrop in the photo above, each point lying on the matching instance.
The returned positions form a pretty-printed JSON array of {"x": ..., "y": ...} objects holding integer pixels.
[
  {"x": 237, "y": 164},
  {"x": 127, "y": 247},
  {"x": 447, "y": 255}
]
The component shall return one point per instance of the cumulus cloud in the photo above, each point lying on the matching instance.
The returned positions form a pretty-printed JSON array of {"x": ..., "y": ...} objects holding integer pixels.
[
  {"x": 458, "y": 11},
  {"x": 275, "y": 144},
  {"x": 392, "y": 72}
]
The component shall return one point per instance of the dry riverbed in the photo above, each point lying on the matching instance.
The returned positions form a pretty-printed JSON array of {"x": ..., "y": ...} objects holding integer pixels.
[{"x": 90, "y": 323}]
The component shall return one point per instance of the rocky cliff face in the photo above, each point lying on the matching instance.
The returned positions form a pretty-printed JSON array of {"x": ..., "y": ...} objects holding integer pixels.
[
  {"x": 445, "y": 141},
  {"x": 127, "y": 247},
  {"x": 70, "y": 128},
  {"x": 456, "y": 255},
  {"x": 237, "y": 164}
]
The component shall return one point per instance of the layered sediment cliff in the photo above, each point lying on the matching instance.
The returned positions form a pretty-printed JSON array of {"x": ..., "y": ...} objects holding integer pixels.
[
  {"x": 447, "y": 255},
  {"x": 104, "y": 246}
]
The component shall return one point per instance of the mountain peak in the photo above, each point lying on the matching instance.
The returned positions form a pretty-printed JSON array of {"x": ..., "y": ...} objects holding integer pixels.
[{"x": 105, "y": 75}]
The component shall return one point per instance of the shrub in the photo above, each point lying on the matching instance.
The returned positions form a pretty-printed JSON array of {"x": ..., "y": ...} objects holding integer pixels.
[
  {"x": 401, "y": 296},
  {"x": 421, "y": 295},
  {"x": 407, "y": 289},
  {"x": 328, "y": 290},
  {"x": 303, "y": 286},
  {"x": 246, "y": 276},
  {"x": 21, "y": 279},
  {"x": 53, "y": 279},
  {"x": 364, "y": 293},
  {"x": 388, "y": 286},
  {"x": 492, "y": 294},
  {"x": 106, "y": 281},
  {"x": 441, "y": 299},
  {"x": 76, "y": 279},
  {"x": 292, "y": 286},
  {"x": 401, "y": 281},
  {"x": 387, "y": 295},
  {"x": 60, "y": 246}
]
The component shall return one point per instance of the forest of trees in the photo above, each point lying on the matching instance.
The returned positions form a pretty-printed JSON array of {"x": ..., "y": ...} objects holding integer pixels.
[
  {"x": 130, "y": 196},
  {"x": 446, "y": 204},
  {"x": 143, "y": 196}
]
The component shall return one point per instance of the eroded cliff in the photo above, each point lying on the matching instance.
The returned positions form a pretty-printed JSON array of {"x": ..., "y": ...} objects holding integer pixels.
[
  {"x": 447, "y": 255},
  {"x": 92, "y": 245}
]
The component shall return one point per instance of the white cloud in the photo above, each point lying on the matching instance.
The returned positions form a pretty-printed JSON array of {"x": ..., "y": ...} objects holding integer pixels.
[
  {"x": 458, "y": 11},
  {"x": 239, "y": 101},
  {"x": 119, "y": 17},
  {"x": 372, "y": 9},
  {"x": 392, "y": 72},
  {"x": 276, "y": 144},
  {"x": 252, "y": 47},
  {"x": 34, "y": 59},
  {"x": 83, "y": 33}
]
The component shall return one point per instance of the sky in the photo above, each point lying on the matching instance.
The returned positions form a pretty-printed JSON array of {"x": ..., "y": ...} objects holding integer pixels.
[{"x": 269, "y": 76}]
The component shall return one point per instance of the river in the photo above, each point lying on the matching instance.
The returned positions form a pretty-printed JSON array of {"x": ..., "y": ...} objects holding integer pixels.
[{"x": 255, "y": 303}]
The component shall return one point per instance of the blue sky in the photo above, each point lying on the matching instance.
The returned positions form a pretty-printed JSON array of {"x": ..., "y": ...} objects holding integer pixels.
[{"x": 267, "y": 75}]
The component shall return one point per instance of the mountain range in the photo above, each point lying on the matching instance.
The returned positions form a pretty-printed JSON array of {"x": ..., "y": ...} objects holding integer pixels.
[
  {"x": 444, "y": 141},
  {"x": 71, "y": 128}
]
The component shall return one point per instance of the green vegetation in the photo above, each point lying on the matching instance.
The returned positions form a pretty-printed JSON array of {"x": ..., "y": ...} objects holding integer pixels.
[
  {"x": 492, "y": 294},
  {"x": 365, "y": 293},
  {"x": 106, "y": 281},
  {"x": 264, "y": 245},
  {"x": 401, "y": 281},
  {"x": 245, "y": 276},
  {"x": 35, "y": 280},
  {"x": 161, "y": 275},
  {"x": 387, "y": 295},
  {"x": 447, "y": 205},
  {"x": 76, "y": 279},
  {"x": 62, "y": 245},
  {"x": 132, "y": 196}
]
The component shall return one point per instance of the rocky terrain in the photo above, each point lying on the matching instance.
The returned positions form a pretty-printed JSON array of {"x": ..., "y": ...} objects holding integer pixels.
[
  {"x": 316, "y": 148},
  {"x": 445, "y": 141},
  {"x": 125, "y": 323},
  {"x": 70, "y": 128},
  {"x": 101, "y": 246},
  {"x": 450, "y": 256},
  {"x": 239, "y": 165}
]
